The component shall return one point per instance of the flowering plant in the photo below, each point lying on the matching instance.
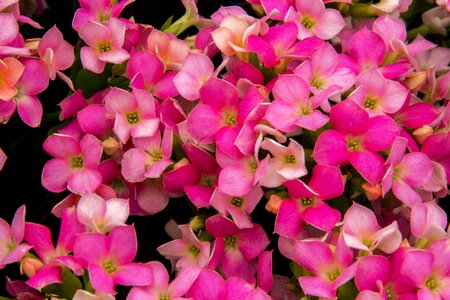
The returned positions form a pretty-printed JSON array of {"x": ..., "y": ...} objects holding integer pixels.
[{"x": 299, "y": 148}]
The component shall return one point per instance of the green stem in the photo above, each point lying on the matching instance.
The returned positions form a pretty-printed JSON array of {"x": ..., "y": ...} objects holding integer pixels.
[{"x": 423, "y": 30}]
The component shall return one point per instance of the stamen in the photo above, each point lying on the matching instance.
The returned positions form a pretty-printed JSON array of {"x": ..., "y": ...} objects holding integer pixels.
[{"x": 132, "y": 118}]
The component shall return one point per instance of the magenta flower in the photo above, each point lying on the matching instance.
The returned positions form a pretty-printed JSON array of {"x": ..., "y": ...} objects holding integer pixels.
[
  {"x": 239, "y": 208},
  {"x": 54, "y": 258},
  {"x": 428, "y": 222},
  {"x": 405, "y": 172},
  {"x": 75, "y": 165},
  {"x": 161, "y": 288},
  {"x": 361, "y": 231},
  {"x": 329, "y": 269},
  {"x": 356, "y": 139},
  {"x": 312, "y": 18},
  {"x": 134, "y": 113},
  {"x": 146, "y": 72},
  {"x": 11, "y": 247},
  {"x": 235, "y": 249},
  {"x": 104, "y": 44},
  {"x": 187, "y": 251},
  {"x": 307, "y": 202},
  {"x": 109, "y": 259}
]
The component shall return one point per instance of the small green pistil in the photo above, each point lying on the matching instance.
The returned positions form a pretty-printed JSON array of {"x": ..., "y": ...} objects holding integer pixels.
[
  {"x": 315, "y": 83},
  {"x": 230, "y": 241},
  {"x": 307, "y": 201},
  {"x": 237, "y": 201},
  {"x": 230, "y": 120},
  {"x": 396, "y": 174},
  {"x": 353, "y": 145},
  {"x": 290, "y": 159},
  {"x": 306, "y": 110},
  {"x": 370, "y": 103},
  {"x": 333, "y": 275},
  {"x": 164, "y": 297},
  {"x": 132, "y": 118},
  {"x": 368, "y": 243},
  {"x": 109, "y": 267},
  {"x": 194, "y": 250},
  {"x": 307, "y": 23},
  {"x": 207, "y": 181},
  {"x": 253, "y": 167},
  {"x": 431, "y": 284},
  {"x": 389, "y": 293},
  {"x": 77, "y": 162},
  {"x": 105, "y": 47}
]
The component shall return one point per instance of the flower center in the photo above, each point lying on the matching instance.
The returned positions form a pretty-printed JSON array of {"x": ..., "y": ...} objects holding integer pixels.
[
  {"x": 370, "y": 103},
  {"x": 289, "y": 159},
  {"x": 353, "y": 144},
  {"x": 333, "y": 275},
  {"x": 237, "y": 201},
  {"x": 253, "y": 167},
  {"x": 132, "y": 118},
  {"x": 104, "y": 47},
  {"x": 307, "y": 23},
  {"x": 77, "y": 162},
  {"x": 194, "y": 250},
  {"x": 316, "y": 83},
  {"x": 230, "y": 120},
  {"x": 157, "y": 156},
  {"x": 431, "y": 284},
  {"x": 230, "y": 241},
  {"x": 164, "y": 297},
  {"x": 109, "y": 267},
  {"x": 307, "y": 201}
]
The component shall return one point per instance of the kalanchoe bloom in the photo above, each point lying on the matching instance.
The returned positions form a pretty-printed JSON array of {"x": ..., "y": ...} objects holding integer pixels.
[
  {"x": 187, "y": 251},
  {"x": 239, "y": 208},
  {"x": 405, "y": 172},
  {"x": 356, "y": 139},
  {"x": 235, "y": 249},
  {"x": 101, "y": 215},
  {"x": 373, "y": 271},
  {"x": 98, "y": 11},
  {"x": 330, "y": 269},
  {"x": 169, "y": 49},
  {"x": 151, "y": 196},
  {"x": 161, "y": 288},
  {"x": 104, "y": 44},
  {"x": 11, "y": 249},
  {"x": 428, "y": 222},
  {"x": 134, "y": 113},
  {"x": 307, "y": 202},
  {"x": 109, "y": 259},
  {"x": 195, "y": 71},
  {"x": 361, "y": 231},
  {"x": 276, "y": 9},
  {"x": 312, "y": 18},
  {"x": 377, "y": 94},
  {"x": 293, "y": 108},
  {"x": 287, "y": 162},
  {"x": 150, "y": 157},
  {"x": 55, "y": 52},
  {"x": 428, "y": 271},
  {"x": 75, "y": 165},
  {"x": 146, "y": 72},
  {"x": 10, "y": 70},
  {"x": 54, "y": 258}
]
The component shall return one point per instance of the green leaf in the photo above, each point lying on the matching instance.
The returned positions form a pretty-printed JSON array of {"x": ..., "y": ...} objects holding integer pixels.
[
  {"x": 90, "y": 82},
  {"x": 70, "y": 284},
  {"x": 347, "y": 291},
  {"x": 167, "y": 23}
]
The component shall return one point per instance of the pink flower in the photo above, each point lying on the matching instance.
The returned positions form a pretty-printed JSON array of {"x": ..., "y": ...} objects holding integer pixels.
[
  {"x": 312, "y": 18},
  {"x": 356, "y": 138},
  {"x": 361, "y": 231},
  {"x": 109, "y": 259},
  {"x": 187, "y": 251},
  {"x": 101, "y": 215},
  {"x": 104, "y": 44},
  {"x": 134, "y": 113},
  {"x": 11, "y": 247},
  {"x": 10, "y": 71},
  {"x": 75, "y": 165}
]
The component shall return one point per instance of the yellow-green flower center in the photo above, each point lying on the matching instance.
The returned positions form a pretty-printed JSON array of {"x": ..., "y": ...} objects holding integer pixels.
[
  {"x": 230, "y": 241},
  {"x": 237, "y": 201},
  {"x": 307, "y": 201},
  {"x": 308, "y": 23},
  {"x": 230, "y": 120},
  {"x": 104, "y": 47},
  {"x": 290, "y": 159},
  {"x": 431, "y": 284},
  {"x": 164, "y": 297},
  {"x": 77, "y": 162},
  {"x": 132, "y": 118},
  {"x": 353, "y": 144},
  {"x": 109, "y": 267},
  {"x": 370, "y": 103},
  {"x": 333, "y": 275},
  {"x": 194, "y": 250}
]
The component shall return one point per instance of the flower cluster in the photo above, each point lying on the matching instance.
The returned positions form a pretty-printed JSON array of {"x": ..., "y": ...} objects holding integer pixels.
[{"x": 329, "y": 114}]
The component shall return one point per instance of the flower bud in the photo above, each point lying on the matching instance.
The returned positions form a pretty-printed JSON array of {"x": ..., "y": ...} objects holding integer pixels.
[
  {"x": 30, "y": 266},
  {"x": 420, "y": 134}
]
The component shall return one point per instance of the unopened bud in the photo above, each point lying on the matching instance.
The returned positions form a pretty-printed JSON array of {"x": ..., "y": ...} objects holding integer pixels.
[
  {"x": 197, "y": 223},
  {"x": 111, "y": 146},
  {"x": 420, "y": 134},
  {"x": 416, "y": 80},
  {"x": 182, "y": 162},
  {"x": 30, "y": 266},
  {"x": 274, "y": 203},
  {"x": 372, "y": 192}
]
